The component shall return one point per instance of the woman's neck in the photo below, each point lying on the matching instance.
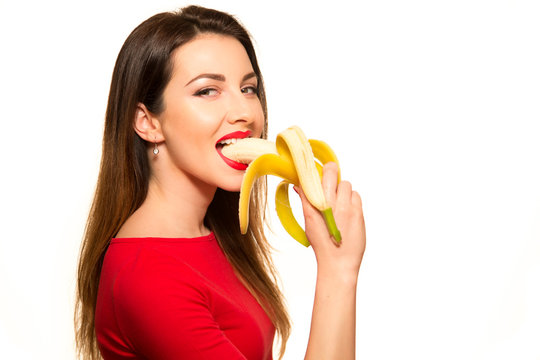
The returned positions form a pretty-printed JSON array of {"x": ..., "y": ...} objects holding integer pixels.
[{"x": 175, "y": 206}]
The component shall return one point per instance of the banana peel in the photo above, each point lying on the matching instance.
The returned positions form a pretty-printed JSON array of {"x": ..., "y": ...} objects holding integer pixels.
[{"x": 295, "y": 159}]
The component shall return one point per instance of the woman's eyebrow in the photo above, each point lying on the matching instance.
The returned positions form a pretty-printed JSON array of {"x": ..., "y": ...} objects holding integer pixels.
[
  {"x": 249, "y": 76},
  {"x": 219, "y": 77}
]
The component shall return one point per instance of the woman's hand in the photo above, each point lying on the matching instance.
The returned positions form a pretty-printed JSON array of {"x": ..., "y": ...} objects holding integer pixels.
[
  {"x": 347, "y": 208},
  {"x": 333, "y": 323}
]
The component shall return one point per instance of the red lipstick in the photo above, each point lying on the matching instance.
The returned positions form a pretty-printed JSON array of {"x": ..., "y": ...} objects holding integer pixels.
[{"x": 234, "y": 135}]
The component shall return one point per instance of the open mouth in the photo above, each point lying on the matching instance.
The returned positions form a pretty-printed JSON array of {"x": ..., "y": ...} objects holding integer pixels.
[{"x": 231, "y": 139}]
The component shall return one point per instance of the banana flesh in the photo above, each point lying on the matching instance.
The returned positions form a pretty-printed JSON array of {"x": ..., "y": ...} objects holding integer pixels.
[
  {"x": 248, "y": 149},
  {"x": 293, "y": 158}
]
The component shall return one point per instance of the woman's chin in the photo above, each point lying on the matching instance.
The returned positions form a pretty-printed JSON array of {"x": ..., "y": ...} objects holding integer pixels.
[{"x": 231, "y": 186}]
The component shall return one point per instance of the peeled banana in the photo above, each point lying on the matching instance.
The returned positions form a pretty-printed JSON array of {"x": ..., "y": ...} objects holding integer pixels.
[{"x": 291, "y": 157}]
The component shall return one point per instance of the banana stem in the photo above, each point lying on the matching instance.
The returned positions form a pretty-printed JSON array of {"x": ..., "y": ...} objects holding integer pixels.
[{"x": 328, "y": 216}]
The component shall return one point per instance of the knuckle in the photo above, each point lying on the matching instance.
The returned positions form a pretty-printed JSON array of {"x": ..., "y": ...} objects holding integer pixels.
[
  {"x": 309, "y": 214},
  {"x": 330, "y": 171},
  {"x": 357, "y": 198},
  {"x": 345, "y": 185},
  {"x": 330, "y": 166}
]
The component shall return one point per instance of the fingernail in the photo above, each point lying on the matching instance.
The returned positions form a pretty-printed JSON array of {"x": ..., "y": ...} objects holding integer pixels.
[{"x": 295, "y": 189}]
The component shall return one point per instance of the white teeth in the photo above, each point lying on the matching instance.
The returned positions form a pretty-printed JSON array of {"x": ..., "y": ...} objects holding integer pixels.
[{"x": 228, "y": 141}]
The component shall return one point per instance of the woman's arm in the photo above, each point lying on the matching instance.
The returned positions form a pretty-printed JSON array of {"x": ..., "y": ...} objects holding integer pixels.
[{"x": 333, "y": 322}]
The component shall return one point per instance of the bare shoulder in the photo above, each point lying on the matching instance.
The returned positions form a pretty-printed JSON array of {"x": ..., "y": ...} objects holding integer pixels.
[{"x": 139, "y": 224}]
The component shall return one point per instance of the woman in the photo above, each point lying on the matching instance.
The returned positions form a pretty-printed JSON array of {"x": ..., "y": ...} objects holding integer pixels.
[{"x": 164, "y": 271}]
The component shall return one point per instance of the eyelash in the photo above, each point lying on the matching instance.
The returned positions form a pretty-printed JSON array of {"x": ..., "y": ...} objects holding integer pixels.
[
  {"x": 254, "y": 88},
  {"x": 204, "y": 92}
]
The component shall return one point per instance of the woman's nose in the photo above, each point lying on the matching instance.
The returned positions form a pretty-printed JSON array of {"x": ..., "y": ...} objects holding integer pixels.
[{"x": 241, "y": 108}]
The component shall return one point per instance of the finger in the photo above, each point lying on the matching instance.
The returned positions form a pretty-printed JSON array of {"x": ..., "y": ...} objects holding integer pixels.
[
  {"x": 307, "y": 208},
  {"x": 315, "y": 227},
  {"x": 356, "y": 200},
  {"x": 329, "y": 182},
  {"x": 344, "y": 194},
  {"x": 357, "y": 206}
]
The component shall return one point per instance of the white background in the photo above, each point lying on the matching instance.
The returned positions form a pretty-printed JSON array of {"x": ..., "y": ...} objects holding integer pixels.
[{"x": 431, "y": 106}]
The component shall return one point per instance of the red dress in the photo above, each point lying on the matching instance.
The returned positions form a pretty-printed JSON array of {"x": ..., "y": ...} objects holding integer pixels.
[{"x": 175, "y": 298}]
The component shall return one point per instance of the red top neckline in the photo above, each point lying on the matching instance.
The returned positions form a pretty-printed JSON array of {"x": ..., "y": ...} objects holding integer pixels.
[{"x": 209, "y": 237}]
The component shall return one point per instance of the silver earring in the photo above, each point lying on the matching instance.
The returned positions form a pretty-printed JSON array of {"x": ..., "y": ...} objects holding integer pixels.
[{"x": 156, "y": 150}]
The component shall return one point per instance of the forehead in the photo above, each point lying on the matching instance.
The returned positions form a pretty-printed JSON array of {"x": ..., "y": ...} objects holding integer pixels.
[{"x": 211, "y": 53}]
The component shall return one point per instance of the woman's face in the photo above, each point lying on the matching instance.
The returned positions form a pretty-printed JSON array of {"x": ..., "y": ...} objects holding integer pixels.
[{"x": 212, "y": 96}]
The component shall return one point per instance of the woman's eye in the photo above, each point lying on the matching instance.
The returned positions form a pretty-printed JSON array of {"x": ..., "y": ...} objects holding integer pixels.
[
  {"x": 206, "y": 92},
  {"x": 250, "y": 90}
]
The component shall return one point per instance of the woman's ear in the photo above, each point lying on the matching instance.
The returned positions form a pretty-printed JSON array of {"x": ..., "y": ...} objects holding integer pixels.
[{"x": 146, "y": 125}]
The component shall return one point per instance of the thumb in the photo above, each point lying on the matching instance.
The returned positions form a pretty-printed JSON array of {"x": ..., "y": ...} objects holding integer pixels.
[{"x": 310, "y": 212}]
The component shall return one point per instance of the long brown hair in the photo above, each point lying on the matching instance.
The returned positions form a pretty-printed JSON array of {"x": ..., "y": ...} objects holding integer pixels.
[{"x": 141, "y": 73}]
